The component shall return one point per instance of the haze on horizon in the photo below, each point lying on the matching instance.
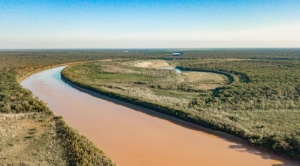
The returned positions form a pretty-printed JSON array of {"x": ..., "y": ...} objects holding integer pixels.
[{"x": 149, "y": 24}]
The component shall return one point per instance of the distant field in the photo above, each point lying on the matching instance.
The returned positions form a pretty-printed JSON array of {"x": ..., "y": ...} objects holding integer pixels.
[
  {"x": 199, "y": 80},
  {"x": 256, "y": 105}
]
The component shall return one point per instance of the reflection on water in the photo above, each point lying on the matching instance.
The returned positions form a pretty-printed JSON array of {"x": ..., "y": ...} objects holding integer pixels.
[
  {"x": 172, "y": 68},
  {"x": 131, "y": 135}
]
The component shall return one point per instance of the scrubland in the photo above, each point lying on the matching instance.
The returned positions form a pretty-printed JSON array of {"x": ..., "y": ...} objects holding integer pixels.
[
  {"x": 250, "y": 93},
  {"x": 255, "y": 98},
  {"x": 30, "y": 133}
]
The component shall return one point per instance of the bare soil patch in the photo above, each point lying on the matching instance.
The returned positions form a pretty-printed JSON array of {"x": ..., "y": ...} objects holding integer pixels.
[{"x": 154, "y": 64}]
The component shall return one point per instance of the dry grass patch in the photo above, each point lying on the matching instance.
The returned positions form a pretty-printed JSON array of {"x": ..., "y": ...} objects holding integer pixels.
[
  {"x": 28, "y": 139},
  {"x": 115, "y": 69},
  {"x": 208, "y": 86},
  {"x": 202, "y": 76},
  {"x": 153, "y": 64},
  {"x": 202, "y": 80}
]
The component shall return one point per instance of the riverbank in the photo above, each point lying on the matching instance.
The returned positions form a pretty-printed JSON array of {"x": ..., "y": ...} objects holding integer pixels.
[
  {"x": 21, "y": 77},
  {"x": 130, "y": 137},
  {"x": 138, "y": 106},
  {"x": 30, "y": 133},
  {"x": 77, "y": 149},
  {"x": 203, "y": 118},
  {"x": 15, "y": 100},
  {"x": 29, "y": 139}
]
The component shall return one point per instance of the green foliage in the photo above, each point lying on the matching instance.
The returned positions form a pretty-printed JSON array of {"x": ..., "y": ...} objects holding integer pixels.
[
  {"x": 79, "y": 150},
  {"x": 14, "y": 99},
  {"x": 263, "y": 84},
  {"x": 260, "y": 104},
  {"x": 258, "y": 79}
]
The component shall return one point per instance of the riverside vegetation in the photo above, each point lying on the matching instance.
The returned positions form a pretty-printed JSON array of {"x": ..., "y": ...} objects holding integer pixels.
[
  {"x": 32, "y": 135},
  {"x": 254, "y": 95}
]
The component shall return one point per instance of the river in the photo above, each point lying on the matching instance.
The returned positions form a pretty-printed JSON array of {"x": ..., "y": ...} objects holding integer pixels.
[{"x": 133, "y": 136}]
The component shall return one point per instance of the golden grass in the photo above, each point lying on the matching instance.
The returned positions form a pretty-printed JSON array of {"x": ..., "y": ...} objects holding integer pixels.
[
  {"x": 202, "y": 76},
  {"x": 27, "y": 139},
  {"x": 201, "y": 80}
]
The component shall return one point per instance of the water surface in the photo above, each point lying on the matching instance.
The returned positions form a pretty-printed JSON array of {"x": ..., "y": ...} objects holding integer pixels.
[{"x": 133, "y": 136}]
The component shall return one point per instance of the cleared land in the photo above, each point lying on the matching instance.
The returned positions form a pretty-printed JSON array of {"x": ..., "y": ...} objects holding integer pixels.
[{"x": 154, "y": 64}]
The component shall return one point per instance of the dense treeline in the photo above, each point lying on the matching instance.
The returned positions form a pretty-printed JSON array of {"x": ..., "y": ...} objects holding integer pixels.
[
  {"x": 265, "y": 85},
  {"x": 16, "y": 64},
  {"x": 271, "y": 54},
  {"x": 228, "y": 108},
  {"x": 271, "y": 74},
  {"x": 14, "y": 99},
  {"x": 78, "y": 149}
]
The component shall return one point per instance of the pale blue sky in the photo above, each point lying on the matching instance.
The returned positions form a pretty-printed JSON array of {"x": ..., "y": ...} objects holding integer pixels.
[{"x": 149, "y": 24}]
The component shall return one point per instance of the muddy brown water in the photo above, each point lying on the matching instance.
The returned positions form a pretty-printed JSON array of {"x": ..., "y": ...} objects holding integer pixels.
[{"x": 133, "y": 136}]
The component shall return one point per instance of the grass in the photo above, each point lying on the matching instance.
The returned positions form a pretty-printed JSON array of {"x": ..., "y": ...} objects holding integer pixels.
[
  {"x": 43, "y": 139},
  {"x": 77, "y": 149},
  {"x": 30, "y": 133},
  {"x": 165, "y": 91},
  {"x": 27, "y": 127},
  {"x": 156, "y": 85},
  {"x": 26, "y": 140}
]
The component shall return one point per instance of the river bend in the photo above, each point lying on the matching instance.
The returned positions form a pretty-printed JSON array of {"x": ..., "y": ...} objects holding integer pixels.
[{"x": 133, "y": 136}]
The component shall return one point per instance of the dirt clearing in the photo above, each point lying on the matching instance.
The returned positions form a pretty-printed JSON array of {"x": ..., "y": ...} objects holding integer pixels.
[{"x": 155, "y": 64}]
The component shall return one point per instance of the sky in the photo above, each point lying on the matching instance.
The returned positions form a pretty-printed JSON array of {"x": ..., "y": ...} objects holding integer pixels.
[{"x": 30, "y": 24}]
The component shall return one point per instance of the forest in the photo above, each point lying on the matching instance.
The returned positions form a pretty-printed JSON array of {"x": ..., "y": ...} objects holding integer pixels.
[
  {"x": 258, "y": 98},
  {"x": 250, "y": 93},
  {"x": 43, "y": 138}
]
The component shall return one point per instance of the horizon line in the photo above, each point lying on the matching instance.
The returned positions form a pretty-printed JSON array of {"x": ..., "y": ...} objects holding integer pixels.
[{"x": 146, "y": 48}]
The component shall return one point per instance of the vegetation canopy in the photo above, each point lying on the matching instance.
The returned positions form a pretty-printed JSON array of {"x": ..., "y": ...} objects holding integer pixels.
[
  {"x": 254, "y": 95},
  {"x": 30, "y": 133},
  {"x": 250, "y": 93}
]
